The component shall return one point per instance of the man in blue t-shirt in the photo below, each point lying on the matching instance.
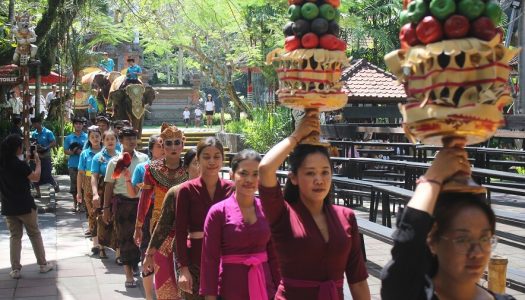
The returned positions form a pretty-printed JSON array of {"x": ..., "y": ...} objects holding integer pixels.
[
  {"x": 92, "y": 106},
  {"x": 133, "y": 72},
  {"x": 73, "y": 145},
  {"x": 107, "y": 64},
  {"x": 44, "y": 140}
]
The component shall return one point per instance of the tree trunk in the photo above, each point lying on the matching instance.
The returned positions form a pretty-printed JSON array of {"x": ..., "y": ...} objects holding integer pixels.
[
  {"x": 180, "y": 66},
  {"x": 38, "y": 90},
  {"x": 239, "y": 105},
  {"x": 12, "y": 12}
]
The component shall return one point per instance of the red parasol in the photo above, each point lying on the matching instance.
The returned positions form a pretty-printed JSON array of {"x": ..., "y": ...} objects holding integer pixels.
[{"x": 52, "y": 78}]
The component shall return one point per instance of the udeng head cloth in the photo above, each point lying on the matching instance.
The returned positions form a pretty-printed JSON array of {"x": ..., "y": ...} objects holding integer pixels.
[{"x": 171, "y": 132}]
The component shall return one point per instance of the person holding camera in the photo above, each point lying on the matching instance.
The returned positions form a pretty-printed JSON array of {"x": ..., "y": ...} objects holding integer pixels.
[
  {"x": 18, "y": 206},
  {"x": 45, "y": 140},
  {"x": 73, "y": 145}
]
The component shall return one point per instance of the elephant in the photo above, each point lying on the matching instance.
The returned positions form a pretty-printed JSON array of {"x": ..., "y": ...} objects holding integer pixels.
[
  {"x": 130, "y": 102},
  {"x": 100, "y": 81}
]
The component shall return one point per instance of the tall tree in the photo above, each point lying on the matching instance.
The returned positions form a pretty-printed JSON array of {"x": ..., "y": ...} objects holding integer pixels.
[{"x": 219, "y": 36}]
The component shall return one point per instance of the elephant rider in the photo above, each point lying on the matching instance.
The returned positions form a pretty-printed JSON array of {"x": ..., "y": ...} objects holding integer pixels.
[
  {"x": 107, "y": 64},
  {"x": 132, "y": 74}
]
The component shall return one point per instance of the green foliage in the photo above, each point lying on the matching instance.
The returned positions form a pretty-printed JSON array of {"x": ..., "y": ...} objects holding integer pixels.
[
  {"x": 54, "y": 126},
  {"x": 6, "y": 44},
  {"x": 59, "y": 161},
  {"x": 217, "y": 118},
  {"x": 219, "y": 38},
  {"x": 520, "y": 170},
  {"x": 235, "y": 126},
  {"x": 103, "y": 31},
  {"x": 371, "y": 28},
  {"x": 268, "y": 127}
]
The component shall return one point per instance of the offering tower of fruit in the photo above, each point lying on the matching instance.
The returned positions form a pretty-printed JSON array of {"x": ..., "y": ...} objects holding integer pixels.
[
  {"x": 455, "y": 72},
  {"x": 309, "y": 67},
  {"x": 454, "y": 68}
]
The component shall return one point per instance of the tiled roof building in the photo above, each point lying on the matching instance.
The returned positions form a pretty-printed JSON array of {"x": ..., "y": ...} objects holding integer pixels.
[{"x": 367, "y": 83}]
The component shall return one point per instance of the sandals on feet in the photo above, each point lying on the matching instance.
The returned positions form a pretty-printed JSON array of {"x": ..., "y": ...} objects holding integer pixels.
[
  {"x": 95, "y": 250},
  {"x": 102, "y": 254},
  {"x": 130, "y": 284}
]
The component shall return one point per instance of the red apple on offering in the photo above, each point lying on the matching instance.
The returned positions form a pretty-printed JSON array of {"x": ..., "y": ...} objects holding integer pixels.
[
  {"x": 334, "y": 3},
  {"x": 329, "y": 42},
  {"x": 296, "y": 2},
  {"x": 291, "y": 43},
  {"x": 407, "y": 36},
  {"x": 483, "y": 29},
  {"x": 310, "y": 40},
  {"x": 429, "y": 30},
  {"x": 456, "y": 26},
  {"x": 341, "y": 45}
]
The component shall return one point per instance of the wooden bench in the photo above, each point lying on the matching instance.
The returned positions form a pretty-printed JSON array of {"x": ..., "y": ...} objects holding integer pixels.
[
  {"x": 387, "y": 182},
  {"x": 374, "y": 172},
  {"x": 507, "y": 163},
  {"x": 511, "y": 239},
  {"x": 503, "y": 189},
  {"x": 395, "y": 175},
  {"x": 403, "y": 157},
  {"x": 516, "y": 279},
  {"x": 348, "y": 195},
  {"x": 510, "y": 218},
  {"x": 508, "y": 184},
  {"x": 388, "y": 192},
  {"x": 375, "y": 231}
]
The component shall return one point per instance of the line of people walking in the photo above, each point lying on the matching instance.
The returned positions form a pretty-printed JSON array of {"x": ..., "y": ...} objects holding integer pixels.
[{"x": 200, "y": 236}]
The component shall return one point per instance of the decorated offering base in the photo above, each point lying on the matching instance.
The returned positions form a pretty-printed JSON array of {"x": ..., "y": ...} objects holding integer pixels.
[
  {"x": 310, "y": 78},
  {"x": 455, "y": 71},
  {"x": 454, "y": 87},
  {"x": 430, "y": 123},
  {"x": 310, "y": 65}
]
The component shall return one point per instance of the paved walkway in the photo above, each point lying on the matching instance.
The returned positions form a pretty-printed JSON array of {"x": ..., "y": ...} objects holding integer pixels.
[{"x": 79, "y": 276}]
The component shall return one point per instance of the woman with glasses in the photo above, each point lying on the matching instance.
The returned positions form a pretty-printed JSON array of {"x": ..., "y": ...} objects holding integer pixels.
[
  {"x": 194, "y": 199},
  {"x": 444, "y": 240},
  {"x": 93, "y": 146},
  {"x": 159, "y": 177},
  {"x": 99, "y": 165}
]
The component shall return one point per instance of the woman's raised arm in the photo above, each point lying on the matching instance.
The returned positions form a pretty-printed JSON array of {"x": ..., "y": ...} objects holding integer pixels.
[{"x": 276, "y": 156}]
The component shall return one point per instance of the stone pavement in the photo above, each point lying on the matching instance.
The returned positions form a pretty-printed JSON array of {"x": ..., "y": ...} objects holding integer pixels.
[
  {"x": 76, "y": 275},
  {"x": 79, "y": 276}
]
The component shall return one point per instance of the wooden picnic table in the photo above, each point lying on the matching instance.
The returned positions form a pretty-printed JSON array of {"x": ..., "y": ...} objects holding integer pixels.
[
  {"x": 354, "y": 169},
  {"x": 349, "y": 147},
  {"x": 483, "y": 157},
  {"x": 376, "y": 151}
]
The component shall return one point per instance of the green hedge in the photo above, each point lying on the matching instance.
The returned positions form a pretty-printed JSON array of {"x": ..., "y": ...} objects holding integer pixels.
[{"x": 268, "y": 127}]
